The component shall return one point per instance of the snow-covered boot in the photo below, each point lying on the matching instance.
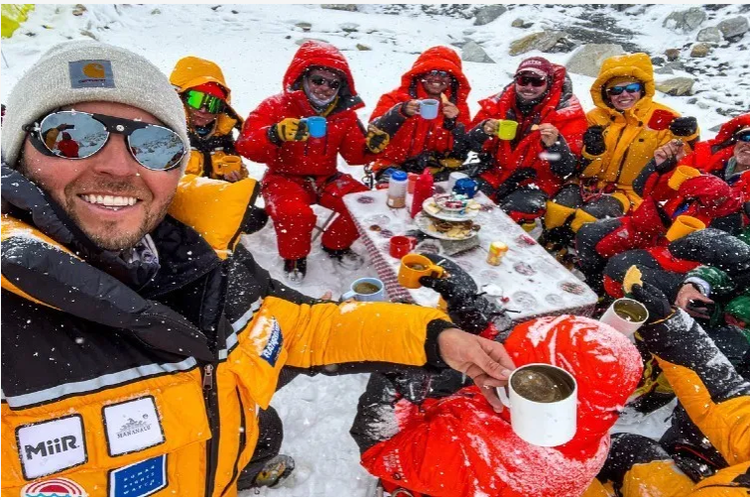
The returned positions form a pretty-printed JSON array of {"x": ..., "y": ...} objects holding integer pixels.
[
  {"x": 346, "y": 258},
  {"x": 295, "y": 270}
]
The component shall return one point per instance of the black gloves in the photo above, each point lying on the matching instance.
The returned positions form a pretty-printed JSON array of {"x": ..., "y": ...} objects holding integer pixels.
[
  {"x": 683, "y": 126},
  {"x": 467, "y": 309},
  {"x": 288, "y": 129},
  {"x": 511, "y": 183},
  {"x": 593, "y": 140},
  {"x": 654, "y": 300}
]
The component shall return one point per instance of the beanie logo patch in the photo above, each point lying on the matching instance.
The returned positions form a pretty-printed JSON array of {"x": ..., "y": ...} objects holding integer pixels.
[{"x": 91, "y": 73}]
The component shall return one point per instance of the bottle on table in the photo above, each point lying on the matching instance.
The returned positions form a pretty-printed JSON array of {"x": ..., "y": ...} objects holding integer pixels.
[
  {"x": 397, "y": 189},
  {"x": 422, "y": 190}
]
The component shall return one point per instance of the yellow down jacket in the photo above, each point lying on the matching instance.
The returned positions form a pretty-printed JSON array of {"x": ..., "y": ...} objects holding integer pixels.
[
  {"x": 209, "y": 150},
  {"x": 147, "y": 381},
  {"x": 630, "y": 144}
]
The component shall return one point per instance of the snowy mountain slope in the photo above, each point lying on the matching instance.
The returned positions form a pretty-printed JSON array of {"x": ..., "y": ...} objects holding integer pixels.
[{"x": 254, "y": 44}]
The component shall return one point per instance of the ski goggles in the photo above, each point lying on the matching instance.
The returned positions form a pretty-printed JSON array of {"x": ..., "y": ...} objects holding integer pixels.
[
  {"x": 75, "y": 135},
  {"x": 534, "y": 81},
  {"x": 743, "y": 136},
  {"x": 630, "y": 88},
  {"x": 199, "y": 100},
  {"x": 331, "y": 84}
]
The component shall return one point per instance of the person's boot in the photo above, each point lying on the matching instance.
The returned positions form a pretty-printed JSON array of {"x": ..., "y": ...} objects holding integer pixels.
[
  {"x": 295, "y": 270},
  {"x": 346, "y": 258},
  {"x": 273, "y": 474}
]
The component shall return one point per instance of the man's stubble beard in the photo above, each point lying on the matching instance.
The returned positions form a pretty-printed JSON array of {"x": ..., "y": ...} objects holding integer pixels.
[{"x": 109, "y": 237}]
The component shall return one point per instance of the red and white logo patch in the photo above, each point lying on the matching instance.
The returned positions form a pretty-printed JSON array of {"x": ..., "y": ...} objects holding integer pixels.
[{"x": 55, "y": 487}]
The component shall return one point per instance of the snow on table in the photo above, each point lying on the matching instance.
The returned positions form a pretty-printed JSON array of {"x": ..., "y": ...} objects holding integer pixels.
[{"x": 528, "y": 279}]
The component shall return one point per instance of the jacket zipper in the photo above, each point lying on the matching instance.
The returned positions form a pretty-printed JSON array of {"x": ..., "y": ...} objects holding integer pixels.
[
  {"x": 619, "y": 167},
  {"x": 212, "y": 412},
  {"x": 242, "y": 444}
]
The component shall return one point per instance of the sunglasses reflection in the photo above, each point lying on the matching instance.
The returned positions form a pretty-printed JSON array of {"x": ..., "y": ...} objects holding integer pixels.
[{"x": 76, "y": 135}]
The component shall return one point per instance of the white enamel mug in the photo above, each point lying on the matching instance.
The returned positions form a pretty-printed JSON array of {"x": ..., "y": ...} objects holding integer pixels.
[
  {"x": 546, "y": 417},
  {"x": 626, "y": 316}
]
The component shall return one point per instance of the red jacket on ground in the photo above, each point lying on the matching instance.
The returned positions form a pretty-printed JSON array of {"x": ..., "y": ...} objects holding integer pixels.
[
  {"x": 315, "y": 156},
  {"x": 458, "y": 446},
  {"x": 559, "y": 108},
  {"x": 417, "y": 135}
]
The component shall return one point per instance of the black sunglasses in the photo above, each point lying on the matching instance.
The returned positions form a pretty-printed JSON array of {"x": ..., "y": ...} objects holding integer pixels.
[
  {"x": 438, "y": 72},
  {"x": 76, "y": 135},
  {"x": 534, "y": 81},
  {"x": 743, "y": 136},
  {"x": 331, "y": 84},
  {"x": 631, "y": 88}
]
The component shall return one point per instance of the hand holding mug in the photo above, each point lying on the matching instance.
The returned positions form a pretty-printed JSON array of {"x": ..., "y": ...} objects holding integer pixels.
[
  {"x": 674, "y": 150},
  {"x": 549, "y": 134},
  {"x": 410, "y": 108},
  {"x": 490, "y": 126},
  {"x": 686, "y": 299}
]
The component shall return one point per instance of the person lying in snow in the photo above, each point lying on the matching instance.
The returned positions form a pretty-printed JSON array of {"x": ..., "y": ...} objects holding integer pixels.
[
  {"x": 431, "y": 435},
  {"x": 716, "y": 401}
]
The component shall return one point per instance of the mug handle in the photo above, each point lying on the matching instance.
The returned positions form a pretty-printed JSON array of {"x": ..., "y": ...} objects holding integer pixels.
[
  {"x": 504, "y": 398},
  {"x": 436, "y": 271},
  {"x": 348, "y": 295}
]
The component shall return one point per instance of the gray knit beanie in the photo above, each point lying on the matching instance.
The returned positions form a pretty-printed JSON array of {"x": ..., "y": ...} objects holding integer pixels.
[{"x": 83, "y": 71}]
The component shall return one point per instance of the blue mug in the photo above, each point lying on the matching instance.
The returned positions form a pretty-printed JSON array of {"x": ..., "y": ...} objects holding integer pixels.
[
  {"x": 428, "y": 108},
  {"x": 366, "y": 290},
  {"x": 467, "y": 187},
  {"x": 316, "y": 125}
]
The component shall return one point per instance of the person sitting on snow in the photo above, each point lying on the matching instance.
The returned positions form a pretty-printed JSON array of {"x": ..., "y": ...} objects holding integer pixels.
[
  {"x": 428, "y": 434},
  {"x": 710, "y": 454},
  {"x": 302, "y": 170},
  {"x": 617, "y": 146},
  {"x": 211, "y": 119},
  {"x": 419, "y": 142},
  {"x": 727, "y": 156},
  {"x": 522, "y": 173}
]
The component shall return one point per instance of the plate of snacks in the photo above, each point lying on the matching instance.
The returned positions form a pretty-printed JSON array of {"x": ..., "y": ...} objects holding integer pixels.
[
  {"x": 446, "y": 230},
  {"x": 451, "y": 207}
]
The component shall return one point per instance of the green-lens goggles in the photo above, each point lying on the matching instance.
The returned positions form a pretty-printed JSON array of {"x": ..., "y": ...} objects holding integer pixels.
[{"x": 199, "y": 100}]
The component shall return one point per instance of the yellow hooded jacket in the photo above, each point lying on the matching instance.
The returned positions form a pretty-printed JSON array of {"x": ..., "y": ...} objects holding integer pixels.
[
  {"x": 109, "y": 391},
  {"x": 630, "y": 144},
  {"x": 190, "y": 72}
]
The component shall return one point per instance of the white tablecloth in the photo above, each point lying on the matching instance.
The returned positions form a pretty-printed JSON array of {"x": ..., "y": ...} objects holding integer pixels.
[{"x": 532, "y": 281}]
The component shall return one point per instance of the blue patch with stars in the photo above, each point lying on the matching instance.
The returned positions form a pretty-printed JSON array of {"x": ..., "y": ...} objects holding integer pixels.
[
  {"x": 273, "y": 347},
  {"x": 139, "y": 479}
]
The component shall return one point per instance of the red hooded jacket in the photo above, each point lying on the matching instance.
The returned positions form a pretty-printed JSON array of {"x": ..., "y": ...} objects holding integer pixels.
[
  {"x": 559, "y": 108},
  {"x": 458, "y": 446},
  {"x": 710, "y": 157},
  {"x": 417, "y": 135},
  {"x": 315, "y": 156}
]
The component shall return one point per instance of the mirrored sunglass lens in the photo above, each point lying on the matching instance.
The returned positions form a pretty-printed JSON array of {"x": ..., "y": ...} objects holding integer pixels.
[
  {"x": 744, "y": 137},
  {"x": 615, "y": 90},
  {"x": 213, "y": 104},
  {"x": 633, "y": 88},
  {"x": 73, "y": 135},
  {"x": 156, "y": 148}
]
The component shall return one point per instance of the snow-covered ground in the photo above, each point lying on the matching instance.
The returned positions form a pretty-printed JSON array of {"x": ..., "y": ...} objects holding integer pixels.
[{"x": 254, "y": 44}]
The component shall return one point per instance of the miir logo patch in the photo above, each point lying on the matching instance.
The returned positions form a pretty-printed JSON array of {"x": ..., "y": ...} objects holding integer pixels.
[
  {"x": 51, "y": 446},
  {"x": 132, "y": 426}
]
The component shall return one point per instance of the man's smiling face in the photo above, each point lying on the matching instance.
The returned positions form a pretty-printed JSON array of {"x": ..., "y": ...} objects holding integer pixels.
[{"x": 110, "y": 196}]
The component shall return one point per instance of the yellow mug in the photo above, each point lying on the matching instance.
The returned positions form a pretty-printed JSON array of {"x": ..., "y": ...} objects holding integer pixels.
[
  {"x": 228, "y": 163},
  {"x": 684, "y": 225},
  {"x": 507, "y": 129},
  {"x": 413, "y": 267},
  {"x": 681, "y": 174}
]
